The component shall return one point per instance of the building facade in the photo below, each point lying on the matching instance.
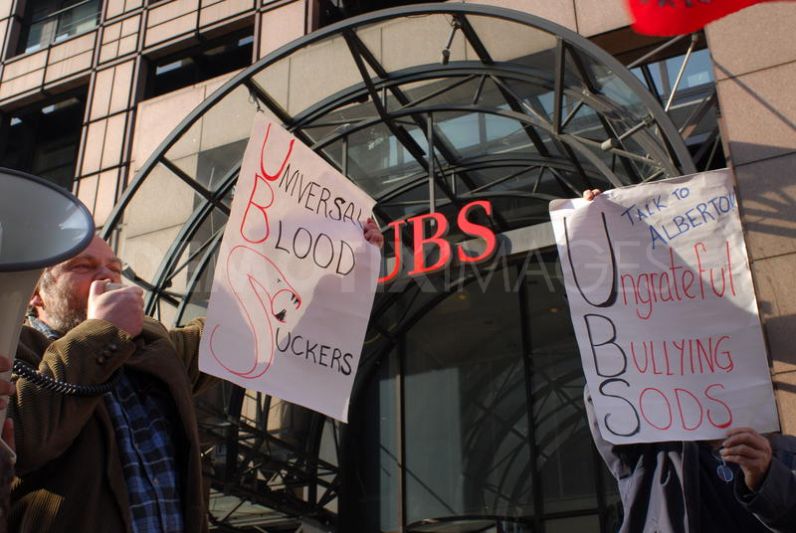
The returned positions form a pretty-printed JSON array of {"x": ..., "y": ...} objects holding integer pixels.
[{"x": 467, "y": 412}]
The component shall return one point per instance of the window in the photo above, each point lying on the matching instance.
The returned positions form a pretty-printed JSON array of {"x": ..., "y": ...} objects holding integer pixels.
[
  {"x": 52, "y": 21},
  {"x": 694, "y": 107},
  {"x": 193, "y": 66},
  {"x": 44, "y": 139}
]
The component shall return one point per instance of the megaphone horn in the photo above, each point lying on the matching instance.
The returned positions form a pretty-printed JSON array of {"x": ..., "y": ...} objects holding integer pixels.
[{"x": 41, "y": 224}]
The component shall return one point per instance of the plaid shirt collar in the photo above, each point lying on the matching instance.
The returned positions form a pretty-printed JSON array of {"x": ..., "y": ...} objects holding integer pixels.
[{"x": 43, "y": 328}]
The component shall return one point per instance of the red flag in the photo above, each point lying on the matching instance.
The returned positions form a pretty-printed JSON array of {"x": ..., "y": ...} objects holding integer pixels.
[{"x": 676, "y": 17}]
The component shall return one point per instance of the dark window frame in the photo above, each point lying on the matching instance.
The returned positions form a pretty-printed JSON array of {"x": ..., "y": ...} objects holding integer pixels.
[
  {"x": 26, "y": 155},
  {"x": 51, "y": 25},
  {"x": 202, "y": 70}
]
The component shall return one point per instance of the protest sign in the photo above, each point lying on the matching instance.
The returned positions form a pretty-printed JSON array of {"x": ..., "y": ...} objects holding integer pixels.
[
  {"x": 295, "y": 278},
  {"x": 664, "y": 310}
]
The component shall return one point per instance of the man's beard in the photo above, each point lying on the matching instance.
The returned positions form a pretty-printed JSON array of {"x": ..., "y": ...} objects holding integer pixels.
[{"x": 65, "y": 310}]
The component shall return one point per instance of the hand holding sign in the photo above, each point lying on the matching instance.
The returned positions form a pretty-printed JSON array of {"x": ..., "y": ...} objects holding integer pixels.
[
  {"x": 751, "y": 451},
  {"x": 664, "y": 311},
  {"x": 372, "y": 234}
]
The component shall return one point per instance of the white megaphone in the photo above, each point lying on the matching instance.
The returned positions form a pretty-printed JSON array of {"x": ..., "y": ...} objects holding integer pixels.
[{"x": 41, "y": 224}]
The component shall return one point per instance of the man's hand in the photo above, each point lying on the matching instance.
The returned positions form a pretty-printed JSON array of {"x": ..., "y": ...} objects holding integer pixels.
[
  {"x": 751, "y": 451},
  {"x": 124, "y": 308},
  {"x": 591, "y": 194},
  {"x": 6, "y": 387},
  {"x": 372, "y": 234}
]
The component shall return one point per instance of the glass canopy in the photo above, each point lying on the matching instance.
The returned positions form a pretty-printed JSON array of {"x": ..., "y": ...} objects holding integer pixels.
[{"x": 424, "y": 107}]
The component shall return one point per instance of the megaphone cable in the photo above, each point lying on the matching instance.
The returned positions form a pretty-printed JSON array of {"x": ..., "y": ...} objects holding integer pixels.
[{"x": 25, "y": 370}]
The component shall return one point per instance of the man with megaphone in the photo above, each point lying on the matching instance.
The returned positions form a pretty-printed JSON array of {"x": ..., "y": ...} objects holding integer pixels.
[{"x": 106, "y": 432}]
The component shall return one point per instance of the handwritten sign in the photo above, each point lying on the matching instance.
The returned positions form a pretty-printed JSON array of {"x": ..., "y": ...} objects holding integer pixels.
[
  {"x": 295, "y": 279},
  {"x": 664, "y": 310}
]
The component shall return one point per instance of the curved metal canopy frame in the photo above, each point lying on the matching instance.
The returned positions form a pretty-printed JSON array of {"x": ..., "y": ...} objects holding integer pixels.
[{"x": 509, "y": 107}]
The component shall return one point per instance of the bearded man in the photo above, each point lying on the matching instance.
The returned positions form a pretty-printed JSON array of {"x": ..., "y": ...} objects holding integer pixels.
[{"x": 106, "y": 431}]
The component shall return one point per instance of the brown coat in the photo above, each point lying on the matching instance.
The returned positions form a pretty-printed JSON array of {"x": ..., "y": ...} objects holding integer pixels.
[{"x": 70, "y": 475}]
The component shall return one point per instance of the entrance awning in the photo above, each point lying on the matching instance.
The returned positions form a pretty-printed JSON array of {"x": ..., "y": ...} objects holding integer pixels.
[{"x": 425, "y": 107}]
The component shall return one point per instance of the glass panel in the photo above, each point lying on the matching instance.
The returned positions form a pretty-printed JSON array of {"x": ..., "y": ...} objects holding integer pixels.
[
  {"x": 698, "y": 72},
  {"x": 39, "y": 35},
  {"x": 467, "y": 447},
  {"x": 563, "y": 442},
  {"x": 217, "y": 57},
  {"x": 198, "y": 298},
  {"x": 65, "y": 23},
  {"x": 215, "y": 164},
  {"x": 507, "y": 40},
  {"x": 436, "y": 91},
  {"x": 198, "y": 262},
  {"x": 230, "y": 120},
  {"x": 193, "y": 266},
  {"x": 333, "y": 122},
  {"x": 44, "y": 139},
  {"x": 585, "y": 123},
  {"x": 81, "y": 18},
  {"x": 274, "y": 80},
  {"x": 376, "y": 494},
  {"x": 696, "y": 122},
  {"x": 412, "y": 41},
  {"x": 460, "y": 131},
  {"x": 333, "y": 154},
  {"x": 389, "y": 453},
  {"x": 149, "y": 229},
  {"x": 319, "y": 71},
  {"x": 537, "y": 100},
  {"x": 520, "y": 211},
  {"x": 495, "y": 177},
  {"x": 414, "y": 201},
  {"x": 623, "y": 109},
  {"x": 223, "y": 130},
  {"x": 376, "y": 160},
  {"x": 475, "y": 135}
]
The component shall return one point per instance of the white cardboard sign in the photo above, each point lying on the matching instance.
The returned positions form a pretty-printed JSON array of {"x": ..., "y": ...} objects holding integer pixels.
[
  {"x": 295, "y": 279},
  {"x": 664, "y": 310}
]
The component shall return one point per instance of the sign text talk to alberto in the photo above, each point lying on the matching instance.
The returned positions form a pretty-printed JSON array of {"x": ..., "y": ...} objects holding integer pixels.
[{"x": 664, "y": 310}]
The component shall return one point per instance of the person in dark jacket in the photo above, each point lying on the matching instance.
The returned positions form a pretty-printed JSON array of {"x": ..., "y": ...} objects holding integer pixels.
[
  {"x": 122, "y": 454},
  {"x": 745, "y": 483}
]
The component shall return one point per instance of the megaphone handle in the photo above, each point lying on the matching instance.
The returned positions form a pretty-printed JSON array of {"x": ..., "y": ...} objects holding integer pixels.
[
  {"x": 15, "y": 291},
  {"x": 7, "y": 450},
  {"x": 3, "y": 416}
]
